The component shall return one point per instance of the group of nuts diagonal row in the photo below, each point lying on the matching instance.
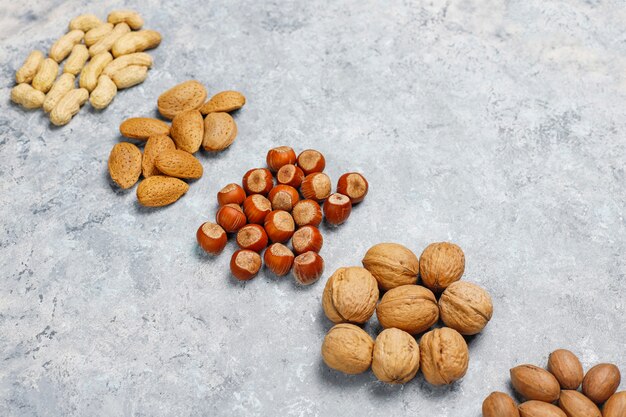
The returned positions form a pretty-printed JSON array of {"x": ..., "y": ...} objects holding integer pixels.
[
  {"x": 168, "y": 160},
  {"x": 406, "y": 309},
  {"x": 541, "y": 388},
  {"x": 111, "y": 58}
]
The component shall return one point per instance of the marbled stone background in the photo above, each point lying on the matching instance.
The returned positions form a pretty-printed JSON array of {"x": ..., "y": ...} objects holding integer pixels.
[{"x": 496, "y": 124}]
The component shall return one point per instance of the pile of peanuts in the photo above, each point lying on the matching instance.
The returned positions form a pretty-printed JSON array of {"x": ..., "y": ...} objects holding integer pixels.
[
  {"x": 260, "y": 212},
  {"x": 110, "y": 58}
]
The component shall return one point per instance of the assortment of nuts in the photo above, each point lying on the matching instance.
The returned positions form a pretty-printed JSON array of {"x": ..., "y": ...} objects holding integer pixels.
[
  {"x": 406, "y": 309},
  {"x": 560, "y": 382},
  {"x": 260, "y": 211},
  {"x": 168, "y": 157},
  {"x": 106, "y": 57}
]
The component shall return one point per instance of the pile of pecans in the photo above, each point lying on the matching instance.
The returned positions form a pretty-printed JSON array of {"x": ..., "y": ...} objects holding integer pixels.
[{"x": 260, "y": 212}]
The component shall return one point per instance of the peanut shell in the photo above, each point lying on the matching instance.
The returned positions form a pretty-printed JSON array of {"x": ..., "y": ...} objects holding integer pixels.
[
  {"x": 60, "y": 87},
  {"x": 29, "y": 68},
  {"x": 27, "y": 97},
  {"x": 98, "y": 33},
  {"x": 77, "y": 59},
  {"x": 136, "y": 42},
  {"x": 47, "y": 73},
  {"x": 130, "y": 76}
]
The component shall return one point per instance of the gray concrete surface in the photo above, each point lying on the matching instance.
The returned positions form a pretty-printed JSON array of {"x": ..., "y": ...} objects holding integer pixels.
[{"x": 496, "y": 124}]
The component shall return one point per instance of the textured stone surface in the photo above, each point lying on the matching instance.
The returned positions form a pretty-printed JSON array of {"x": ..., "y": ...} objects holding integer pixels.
[{"x": 496, "y": 124}]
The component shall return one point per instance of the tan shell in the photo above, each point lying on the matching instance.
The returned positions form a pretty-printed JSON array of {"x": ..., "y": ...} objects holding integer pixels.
[
  {"x": 61, "y": 86},
  {"x": 77, "y": 59},
  {"x": 465, "y": 307},
  {"x": 534, "y": 383},
  {"x": 601, "y": 382},
  {"x": 188, "y": 95},
  {"x": 179, "y": 164},
  {"x": 566, "y": 368},
  {"x": 63, "y": 46},
  {"x": 125, "y": 164},
  {"x": 138, "y": 58},
  {"x": 226, "y": 101},
  {"x": 136, "y": 42},
  {"x": 444, "y": 356},
  {"x": 499, "y": 404},
  {"x": 130, "y": 76},
  {"x": 350, "y": 295},
  {"x": 94, "y": 35},
  {"x": 392, "y": 265},
  {"x": 130, "y": 17},
  {"x": 84, "y": 22},
  {"x": 615, "y": 406},
  {"x": 441, "y": 264},
  {"x": 68, "y": 106},
  {"x": 29, "y": 68},
  {"x": 154, "y": 146},
  {"x": 396, "y": 357},
  {"x": 348, "y": 348},
  {"x": 89, "y": 75},
  {"x": 106, "y": 42},
  {"x": 187, "y": 130},
  {"x": 27, "y": 97},
  {"x": 411, "y": 308},
  {"x": 220, "y": 131},
  {"x": 158, "y": 190},
  {"x": 143, "y": 128},
  {"x": 576, "y": 404},
  {"x": 47, "y": 73},
  {"x": 539, "y": 409},
  {"x": 104, "y": 93}
]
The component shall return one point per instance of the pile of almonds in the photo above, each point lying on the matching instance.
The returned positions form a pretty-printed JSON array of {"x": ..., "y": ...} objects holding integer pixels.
[
  {"x": 260, "y": 212},
  {"x": 111, "y": 58},
  {"x": 168, "y": 157},
  {"x": 406, "y": 309},
  {"x": 560, "y": 383}
]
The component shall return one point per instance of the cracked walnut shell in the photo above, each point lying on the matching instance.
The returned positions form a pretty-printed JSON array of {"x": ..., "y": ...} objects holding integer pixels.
[
  {"x": 444, "y": 356},
  {"x": 411, "y": 308},
  {"x": 465, "y": 307},
  {"x": 396, "y": 357},
  {"x": 441, "y": 264},
  {"x": 350, "y": 295},
  {"x": 392, "y": 265},
  {"x": 348, "y": 348}
]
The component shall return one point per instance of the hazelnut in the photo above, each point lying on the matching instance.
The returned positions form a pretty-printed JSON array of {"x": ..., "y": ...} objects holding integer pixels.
[
  {"x": 230, "y": 217},
  {"x": 350, "y": 295},
  {"x": 279, "y": 259},
  {"x": 535, "y": 383},
  {"x": 231, "y": 194},
  {"x": 308, "y": 268},
  {"x": 337, "y": 209},
  {"x": 290, "y": 175},
  {"x": 307, "y": 213},
  {"x": 311, "y": 161},
  {"x": 396, "y": 357},
  {"x": 392, "y": 265},
  {"x": 245, "y": 264},
  {"x": 348, "y": 349},
  {"x": 601, "y": 381},
  {"x": 354, "y": 185},
  {"x": 616, "y": 405},
  {"x": 411, "y": 308},
  {"x": 316, "y": 186},
  {"x": 211, "y": 237},
  {"x": 279, "y": 226},
  {"x": 307, "y": 238},
  {"x": 443, "y": 356},
  {"x": 256, "y": 208},
  {"x": 499, "y": 404},
  {"x": 565, "y": 367},
  {"x": 258, "y": 181},
  {"x": 441, "y": 264},
  {"x": 576, "y": 404},
  {"x": 283, "y": 197},
  {"x": 252, "y": 237},
  {"x": 279, "y": 157},
  {"x": 539, "y": 409},
  {"x": 465, "y": 307}
]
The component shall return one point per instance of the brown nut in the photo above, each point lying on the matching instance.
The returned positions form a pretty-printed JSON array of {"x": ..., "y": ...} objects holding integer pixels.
[
  {"x": 350, "y": 295},
  {"x": 444, "y": 356},
  {"x": 615, "y": 406},
  {"x": 188, "y": 95},
  {"x": 337, "y": 209},
  {"x": 278, "y": 259},
  {"x": 211, "y": 237},
  {"x": 601, "y": 381},
  {"x": 576, "y": 404},
  {"x": 499, "y": 404},
  {"x": 392, "y": 265},
  {"x": 311, "y": 161},
  {"x": 348, "y": 349},
  {"x": 396, "y": 357},
  {"x": 245, "y": 264},
  {"x": 534, "y": 383},
  {"x": 279, "y": 226},
  {"x": 354, "y": 185},
  {"x": 252, "y": 237},
  {"x": 258, "y": 181},
  {"x": 256, "y": 207},
  {"x": 308, "y": 268},
  {"x": 411, "y": 308},
  {"x": 316, "y": 186},
  {"x": 465, "y": 307},
  {"x": 441, "y": 264},
  {"x": 283, "y": 197},
  {"x": 290, "y": 175},
  {"x": 279, "y": 157},
  {"x": 231, "y": 194},
  {"x": 230, "y": 217},
  {"x": 307, "y": 238},
  {"x": 307, "y": 213},
  {"x": 566, "y": 368},
  {"x": 540, "y": 409}
]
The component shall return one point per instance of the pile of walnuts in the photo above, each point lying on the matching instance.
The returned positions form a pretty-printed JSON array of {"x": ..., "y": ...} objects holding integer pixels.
[{"x": 406, "y": 309}]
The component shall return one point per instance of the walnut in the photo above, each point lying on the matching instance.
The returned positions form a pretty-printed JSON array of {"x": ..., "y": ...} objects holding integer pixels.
[
  {"x": 441, "y": 264},
  {"x": 348, "y": 348},
  {"x": 350, "y": 295},
  {"x": 396, "y": 356},
  {"x": 465, "y": 307},
  {"x": 443, "y": 356},
  {"x": 392, "y": 265},
  {"x": 411, "y": 308}
]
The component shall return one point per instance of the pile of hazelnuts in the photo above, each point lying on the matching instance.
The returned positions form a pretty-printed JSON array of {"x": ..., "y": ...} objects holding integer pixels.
[{"x": 261, "y": 212}]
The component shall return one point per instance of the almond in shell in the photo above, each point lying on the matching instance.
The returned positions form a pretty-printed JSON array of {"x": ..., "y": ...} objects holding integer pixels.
[
  {"x": 188, "y": 95},
  {"x": 226, "y": 101},
  {"x": 576, "y": 404},
  {"x": 220, "y": 131},
  {"x": 499, "y": 404},
  {"x": 567, "y": 369},
  {"x": 159, "y": 190},
  {"x": 187, "y": 130},
  {"x": 615, "y": 406},
  {"x": 534, "y": 383},
  {"x": 155, "y": 146},
  {"x": 143, "y": 127},
  {"x": 125, "y": 164},
  {"x": 535, "y": 408},
  {"x": 179, "y": 164}
]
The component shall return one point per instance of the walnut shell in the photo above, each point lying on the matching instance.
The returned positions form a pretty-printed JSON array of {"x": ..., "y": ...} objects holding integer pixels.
[
  {"x": 411, "y": 308},
  {"x": 444, "y": 356},
  {"x": 465, "y": 307},
  {"x": 347, "y": 348},
  {"x": 350, "y": 295},
  {"x": 396, "y": 357},
  {"x": 441, "y": 264},
  {"x": 392, "y": 265}
]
